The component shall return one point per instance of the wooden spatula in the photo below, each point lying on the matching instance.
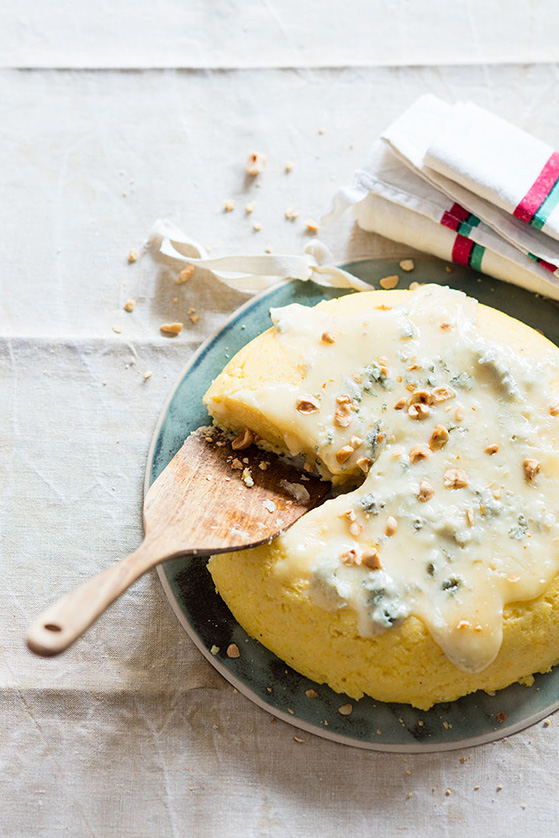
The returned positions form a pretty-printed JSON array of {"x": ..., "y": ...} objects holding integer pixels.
[{"x": 202, "y": 503}]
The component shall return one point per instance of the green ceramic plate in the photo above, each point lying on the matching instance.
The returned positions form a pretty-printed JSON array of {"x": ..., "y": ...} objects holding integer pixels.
[{"x": 259, "y": 674}]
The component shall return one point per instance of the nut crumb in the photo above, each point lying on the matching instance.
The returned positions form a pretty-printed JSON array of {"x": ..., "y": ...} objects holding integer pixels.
[
  {"x": 171, "y": 328},
  {"x": 389, "y": 282},
  {"x": 344, "y": 453},
  {"x": 247, "y": 478},
  {"x": 326, "y": 337},
  {"x": 419, "y": 452},
  {"x": 391, "y": 525},
  {"x": 228, "y": 206},
  {"x": 117, "y": 330},
  {"x": 531, "y": 468},
  {"x": 364, "y": 463},
  {"x": 185, "y": 275},
  {"x": 447, "y": 792},
  {"x": 426, "y": 492},
  {"x": 418, "y": 410},
  {"x": 233, "y": 651},
  {"x": 307, "y": 405},
  {"x": 312, "y": 226},
  {"x": 129, "y": 305},
  {"x": 554, "y": 409},
  {"x": 255, "y": 163},
  {"x": 133, "y": 255},
  {"x": 491, "y": 449},
  {"x": 298, "y": 739},
  {"x": 311, "y": 693},
  {"x": 214, "y": 650},
  {"x": 501, "y": 717},
  {"x": 345, "y": 709},
  {"x": 547, "y": 723},
  {"x": 289, "y": 166},
  {"x": 147, "y": 374},
  {"x": 407, "y": 264},
  {"x": 291, "y": 213},
  {"x": 371, "y": 559},
  {"x": 439, "y": 438},
  {"x": 349, "y": 558},
  {"x": 249, "y": 208},
  {"x": 455, "y": 478},
  {"x": 243, "y": 440},
  {"x": 194, "y": 318},
  {"x": 257, "y": 226}
]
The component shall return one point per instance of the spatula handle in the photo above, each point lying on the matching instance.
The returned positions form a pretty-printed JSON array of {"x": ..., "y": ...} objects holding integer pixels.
[{"x": 67, "y": 619}]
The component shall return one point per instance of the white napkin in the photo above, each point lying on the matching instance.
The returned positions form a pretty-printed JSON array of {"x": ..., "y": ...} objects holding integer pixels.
[{"x": 430, "y": 184}]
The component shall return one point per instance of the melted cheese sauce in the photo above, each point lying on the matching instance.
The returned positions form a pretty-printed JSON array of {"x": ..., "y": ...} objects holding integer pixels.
[{"x": 458, "y": 513}]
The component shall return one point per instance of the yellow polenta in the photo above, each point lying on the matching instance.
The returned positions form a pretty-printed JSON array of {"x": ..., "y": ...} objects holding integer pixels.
[{"x": 403, "y": 662}]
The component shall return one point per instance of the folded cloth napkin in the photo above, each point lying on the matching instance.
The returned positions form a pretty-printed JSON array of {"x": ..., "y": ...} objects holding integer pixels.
[{"x": 433, "y": 182}]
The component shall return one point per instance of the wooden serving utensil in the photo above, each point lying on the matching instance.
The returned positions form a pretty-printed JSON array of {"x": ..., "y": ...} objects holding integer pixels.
[{"x": 201, "y": 504}]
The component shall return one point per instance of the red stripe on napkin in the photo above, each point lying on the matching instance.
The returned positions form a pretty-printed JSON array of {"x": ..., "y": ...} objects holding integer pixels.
[
  {"x": 454, "y": 217},
  {"x": 461, "y": 250},
  {"x": 539, "y": 190}
]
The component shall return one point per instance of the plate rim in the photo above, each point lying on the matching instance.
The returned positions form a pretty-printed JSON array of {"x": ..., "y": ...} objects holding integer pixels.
[{"x": 239, "y": 684}]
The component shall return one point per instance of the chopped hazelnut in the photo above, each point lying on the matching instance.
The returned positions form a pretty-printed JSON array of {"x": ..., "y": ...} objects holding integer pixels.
[
  {"x": 349, "y": 558},
  {"x": 442, "y": 394},
  {"x": 455, "y": 478},
  {"x": 401, "y": 404},
  {"x": 407, "y": 264},
  {"x": 255, "y": 163},
  {"x": 421, "y": 396},
  {"x": 356, "y": 441},
  {"x": 129, "y": 305},
  {"x": 491, "y": 449},
  {"x": 388, "y": 282},
  {"x": 171, "y": 328},
  {"x": 344, "y": 453},
  {"x": 459, "y": 413},
  {"x": 343, "y": 415},
  {"x": 554, "y": 409},
  {"x": 307, "y": 405},
  {"x": 233, "y": 651},
  {"x": 326, "y": 337},
  {"x": 185, "y": 275},
  {"x": 311, "y": 693},
  {"x": 364, "y": 463},
  {"x": 371, "y": 559},
  {"x": 355, "y": 528},
  {"x": 345, "y": 709},
  {"x": 418, "y": 411},
  {"x": 419, "y": 452},
  {"x": 391, "y": 525},
  {"x": 439, "y": 437},
  {"x": 426, "y": 491},
  {"x": 243, "y": 440},
  {"x": 531, "y": 468}
]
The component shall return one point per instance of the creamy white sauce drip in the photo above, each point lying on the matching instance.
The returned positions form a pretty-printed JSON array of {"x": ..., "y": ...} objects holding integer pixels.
[{"x": 457, "y": 557}]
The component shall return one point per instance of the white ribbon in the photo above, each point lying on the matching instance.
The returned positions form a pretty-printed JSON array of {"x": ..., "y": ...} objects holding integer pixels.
[{"x": 253, "y": 273}]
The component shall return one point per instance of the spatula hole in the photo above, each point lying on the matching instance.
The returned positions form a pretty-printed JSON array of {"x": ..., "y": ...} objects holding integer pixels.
[{"x": 53, "y": 627}]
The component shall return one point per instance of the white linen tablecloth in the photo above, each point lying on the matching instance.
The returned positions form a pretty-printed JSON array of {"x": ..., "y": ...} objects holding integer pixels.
[{"x": 131, "y": 732}]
